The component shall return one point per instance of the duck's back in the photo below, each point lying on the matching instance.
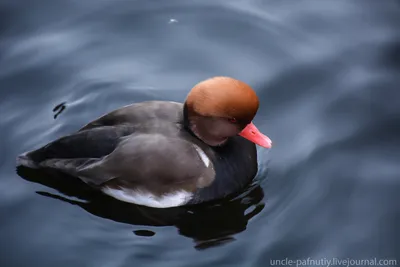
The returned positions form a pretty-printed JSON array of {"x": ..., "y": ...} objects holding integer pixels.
[
  {"x": 101, "y": 136},
  {"x": 150, "y": 114}
]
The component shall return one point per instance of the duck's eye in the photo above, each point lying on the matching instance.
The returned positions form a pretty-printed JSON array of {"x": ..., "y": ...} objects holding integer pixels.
[{"x": 233, "y": 120}]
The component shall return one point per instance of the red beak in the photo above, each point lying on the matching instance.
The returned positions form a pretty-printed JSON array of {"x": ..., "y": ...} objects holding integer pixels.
[{"x": 251, "y": 133}]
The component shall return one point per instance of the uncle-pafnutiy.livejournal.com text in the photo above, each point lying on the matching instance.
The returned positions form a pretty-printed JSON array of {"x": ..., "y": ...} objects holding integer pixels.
[{"x": 330, "y": 262}]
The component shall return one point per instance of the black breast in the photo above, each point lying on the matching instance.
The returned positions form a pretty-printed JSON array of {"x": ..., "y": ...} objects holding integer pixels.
[{"x": 235, "y": 165}]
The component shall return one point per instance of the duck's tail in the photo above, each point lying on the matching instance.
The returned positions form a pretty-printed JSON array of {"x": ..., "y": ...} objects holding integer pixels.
[{"x": 25, "y": 160}]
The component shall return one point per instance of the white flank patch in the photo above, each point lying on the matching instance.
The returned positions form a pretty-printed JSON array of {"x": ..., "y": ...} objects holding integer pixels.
[
  {"x": 175, "y": 199},
  {"x": 202, "y": 155}
]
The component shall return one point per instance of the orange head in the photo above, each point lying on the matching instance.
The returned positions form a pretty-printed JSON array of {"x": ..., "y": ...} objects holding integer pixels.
[{"x": 222, "y": 107}]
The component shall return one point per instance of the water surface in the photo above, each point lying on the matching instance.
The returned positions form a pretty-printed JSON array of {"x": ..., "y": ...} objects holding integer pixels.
[{"x": 327, "y": 74}]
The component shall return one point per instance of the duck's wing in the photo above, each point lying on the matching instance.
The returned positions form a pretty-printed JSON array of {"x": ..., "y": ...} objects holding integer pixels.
[
  {"x": 71, "y": 152},
  {"x": 152, "y": 162},
  {"x": 137, "y": 114}
]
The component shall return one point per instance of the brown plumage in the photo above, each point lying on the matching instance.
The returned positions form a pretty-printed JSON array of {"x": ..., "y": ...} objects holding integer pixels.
[{"x": 223, "y": 97}]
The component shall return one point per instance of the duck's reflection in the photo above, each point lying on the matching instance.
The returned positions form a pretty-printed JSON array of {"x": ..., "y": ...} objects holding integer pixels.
[{"x": 208, "y": 225}]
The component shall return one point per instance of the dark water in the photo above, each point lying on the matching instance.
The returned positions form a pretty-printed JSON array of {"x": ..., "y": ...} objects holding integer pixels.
[{"x": 328, "y": 77}]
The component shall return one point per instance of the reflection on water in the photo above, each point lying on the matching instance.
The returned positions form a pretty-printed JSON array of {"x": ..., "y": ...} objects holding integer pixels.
[
  {"x": 208, "y": 225},
  {"x": 327, "y": 75}
]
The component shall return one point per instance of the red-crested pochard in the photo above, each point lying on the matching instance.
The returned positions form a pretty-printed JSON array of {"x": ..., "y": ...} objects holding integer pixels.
[{"x": 165, "y": 154}]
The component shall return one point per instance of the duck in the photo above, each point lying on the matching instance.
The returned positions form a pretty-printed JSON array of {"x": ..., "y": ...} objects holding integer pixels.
[{"x": 165, "y": 154}]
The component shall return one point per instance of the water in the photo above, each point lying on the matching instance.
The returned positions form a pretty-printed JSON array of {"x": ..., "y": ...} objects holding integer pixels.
[{"x": 326, "y": 72}]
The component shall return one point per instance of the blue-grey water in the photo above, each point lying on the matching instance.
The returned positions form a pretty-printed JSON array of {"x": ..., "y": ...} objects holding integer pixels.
[{"x": 328, "y": 77}]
